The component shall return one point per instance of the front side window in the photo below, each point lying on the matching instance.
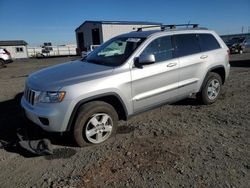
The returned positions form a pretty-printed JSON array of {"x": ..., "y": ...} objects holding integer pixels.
[
  {"x": 186, "y": 44},
  {"x": 208, "y": 42},
  {"x": 114, "y": 52},
  {"x": 161, "y": 48}
]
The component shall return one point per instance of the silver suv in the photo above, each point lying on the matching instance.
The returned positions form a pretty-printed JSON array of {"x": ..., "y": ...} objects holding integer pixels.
[
  {"x": 5, "y": 57},
  {"x": 126, "y": 75}
]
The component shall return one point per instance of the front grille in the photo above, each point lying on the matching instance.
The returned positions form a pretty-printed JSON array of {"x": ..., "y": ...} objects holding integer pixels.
[{"x": 30, "y": 95}]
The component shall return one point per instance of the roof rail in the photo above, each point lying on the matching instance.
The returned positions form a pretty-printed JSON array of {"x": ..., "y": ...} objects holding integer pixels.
[
  {"x": 146, "y": 27},
  {"x": 173, "y": 26},
  {"x": 170, "y": 26}
]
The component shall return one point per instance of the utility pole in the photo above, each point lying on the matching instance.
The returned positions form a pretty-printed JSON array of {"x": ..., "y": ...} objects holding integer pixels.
[{"x": 242, "y": 29}]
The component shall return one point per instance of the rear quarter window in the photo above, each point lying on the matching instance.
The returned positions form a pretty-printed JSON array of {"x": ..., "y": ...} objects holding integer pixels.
[{"x": 208, "y": 42}]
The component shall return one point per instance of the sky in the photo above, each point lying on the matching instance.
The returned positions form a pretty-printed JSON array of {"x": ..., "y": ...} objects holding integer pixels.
[{"x": 38, "y": 21}]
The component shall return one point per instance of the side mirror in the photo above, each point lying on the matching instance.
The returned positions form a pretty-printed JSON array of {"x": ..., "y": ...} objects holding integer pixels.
[{"x": 145, "y": 59}]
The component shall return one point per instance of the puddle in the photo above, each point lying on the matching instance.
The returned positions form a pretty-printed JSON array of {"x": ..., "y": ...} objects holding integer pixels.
[{"x": 61, "y": 153}]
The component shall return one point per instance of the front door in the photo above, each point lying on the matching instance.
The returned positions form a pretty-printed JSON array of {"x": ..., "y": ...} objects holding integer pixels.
[{"x": 156, "y": 83}]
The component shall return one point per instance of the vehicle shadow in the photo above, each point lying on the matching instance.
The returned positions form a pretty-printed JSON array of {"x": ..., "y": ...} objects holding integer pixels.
[
  {"x": 192, "y": 101},
  {"x": 240, "y": 63},
  {"x": 13, "y": 122}
]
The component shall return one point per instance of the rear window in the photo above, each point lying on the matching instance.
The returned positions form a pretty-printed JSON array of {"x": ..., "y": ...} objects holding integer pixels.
[
  {"x": 186, "y": 44},
  {"x": 208, "y": 42}
]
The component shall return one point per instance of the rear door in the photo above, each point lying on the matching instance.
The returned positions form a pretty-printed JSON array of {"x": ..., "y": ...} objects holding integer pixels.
[
  {"x": 191, "y": 61},
  {"x": 156, "y": 83}
]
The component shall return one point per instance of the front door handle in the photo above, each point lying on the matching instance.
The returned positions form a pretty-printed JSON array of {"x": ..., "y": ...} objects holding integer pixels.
[
  {"x": 203, "y": 56},
  {"x": 171, "y": 64}
]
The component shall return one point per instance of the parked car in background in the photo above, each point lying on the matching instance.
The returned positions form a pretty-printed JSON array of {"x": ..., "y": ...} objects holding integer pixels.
[
  {"x": 246, "y": 45},
  {"x": 235, "y": 45},
  {"x": 5, "y": 57},
  {"x": 89, "y": 50}
]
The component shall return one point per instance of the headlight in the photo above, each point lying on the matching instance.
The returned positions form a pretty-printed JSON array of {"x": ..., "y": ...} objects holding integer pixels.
[{"x": 51, "y": 96}]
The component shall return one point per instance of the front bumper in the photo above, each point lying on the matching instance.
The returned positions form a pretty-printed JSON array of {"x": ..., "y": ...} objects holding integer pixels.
[{"x": 55, "y": 113}]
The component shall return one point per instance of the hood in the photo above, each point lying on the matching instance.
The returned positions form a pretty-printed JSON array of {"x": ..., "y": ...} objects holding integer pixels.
[{"x": 56, "y": 77}]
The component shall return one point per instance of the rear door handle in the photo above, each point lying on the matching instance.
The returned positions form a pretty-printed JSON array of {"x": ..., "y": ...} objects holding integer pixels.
[
  {"x": 203, "y": 56},
  {"x": 171, "y": 64}
]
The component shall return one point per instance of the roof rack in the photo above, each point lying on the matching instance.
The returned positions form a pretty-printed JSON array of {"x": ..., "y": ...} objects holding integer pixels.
[
  {"x": 173, "y": 26},
  {"x": 146, "y": 27},
  {"x": 170, "y": 26}
]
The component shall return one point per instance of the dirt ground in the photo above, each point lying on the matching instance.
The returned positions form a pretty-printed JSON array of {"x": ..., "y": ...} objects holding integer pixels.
[{"x": 180, "y": 145}]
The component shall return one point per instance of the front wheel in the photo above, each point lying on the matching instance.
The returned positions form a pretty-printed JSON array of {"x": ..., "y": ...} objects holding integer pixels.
[
  {"x": 211, "y": 88},
  {"x": 95, "y": 123}
]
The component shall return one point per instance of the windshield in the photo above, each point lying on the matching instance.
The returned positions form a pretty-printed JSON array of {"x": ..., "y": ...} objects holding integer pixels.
[{"x": 114, "y": 52}]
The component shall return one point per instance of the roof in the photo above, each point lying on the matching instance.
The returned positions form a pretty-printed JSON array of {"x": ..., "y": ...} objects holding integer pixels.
[
  {"x": 141, "y": 34},
  {"x": 13, "y": 43},
  {"x": 120, "y": 23}
]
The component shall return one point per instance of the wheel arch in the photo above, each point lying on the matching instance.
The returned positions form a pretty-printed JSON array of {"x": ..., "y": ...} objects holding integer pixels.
[
  {"x": 220, "y": 69},
  {"x": 111, "y": 98}
]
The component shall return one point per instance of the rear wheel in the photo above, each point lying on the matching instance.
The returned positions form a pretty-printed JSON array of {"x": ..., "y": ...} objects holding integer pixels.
[
  {"x": 2, "y": 63},
  {"x": 211, "y": 89},
  {"x": 96, "y": 122}
]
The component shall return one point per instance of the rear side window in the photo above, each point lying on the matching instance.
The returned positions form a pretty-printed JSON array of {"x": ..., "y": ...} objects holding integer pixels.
[
  {"x": 186, "y": 44},
  {"x": 161, "y": 48},
  {"x": 208, "y": 42}
]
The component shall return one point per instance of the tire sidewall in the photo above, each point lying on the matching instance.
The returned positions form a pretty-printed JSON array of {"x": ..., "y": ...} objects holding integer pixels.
[
  {"x": 211, "y": 76},
  {"x": 85, "y": 113},
  {"x": 2, "y": 63}
]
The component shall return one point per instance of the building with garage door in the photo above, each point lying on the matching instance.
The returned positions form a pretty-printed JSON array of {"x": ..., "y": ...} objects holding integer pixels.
[
  {"x": 96, "y": 32},
  {"x": 17, "y": 48}
]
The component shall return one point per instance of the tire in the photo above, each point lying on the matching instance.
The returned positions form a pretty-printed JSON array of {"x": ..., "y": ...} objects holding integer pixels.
[
  {"x": 89, "y": 128},
  {"x": 211, "y": 89},
  {"x": 2, "y": 63}
]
